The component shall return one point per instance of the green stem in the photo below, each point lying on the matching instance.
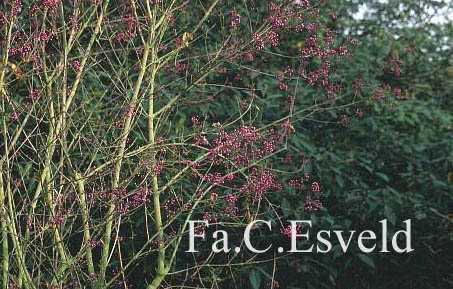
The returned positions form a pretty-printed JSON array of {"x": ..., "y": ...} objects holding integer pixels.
[
  {"x": 161, "y": 269},
  {"x": 55, "y": 129},
  {"x": 23, "y": 273},
  {"x": 5, "y": 255},
  {"x": 3, "y": 214},
  {"x": 118, "y": 163},
  {"x": 86, "y": 225},
  {"x": 3, "y": 211},
  {"x": 157, "y": 280}
]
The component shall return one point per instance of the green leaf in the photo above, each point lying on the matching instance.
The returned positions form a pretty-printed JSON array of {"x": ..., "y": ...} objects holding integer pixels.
[
  {"x": 383, "y": 176},
  {"x": 340, "y": 181},
  {"x": 286, "y": 207},
  {"x": 390, "y": 215},
  {"x": 366, "y": 259},
  {"x": 255, "y": 279}
]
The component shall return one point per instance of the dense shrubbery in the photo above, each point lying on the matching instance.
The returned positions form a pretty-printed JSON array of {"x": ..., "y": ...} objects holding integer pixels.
[{"x": 392, "y": 163}]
